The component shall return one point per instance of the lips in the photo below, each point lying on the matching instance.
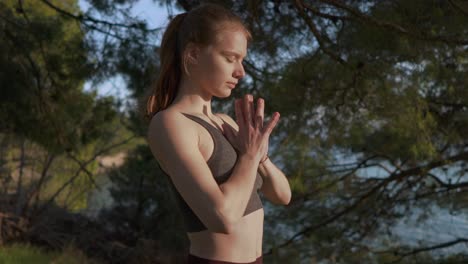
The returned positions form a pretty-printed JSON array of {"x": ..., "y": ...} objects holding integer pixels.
[{"x": 231, "y": 84}]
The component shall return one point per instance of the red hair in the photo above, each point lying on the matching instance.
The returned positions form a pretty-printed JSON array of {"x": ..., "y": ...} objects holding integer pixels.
[{"x": 199, "y": 26}]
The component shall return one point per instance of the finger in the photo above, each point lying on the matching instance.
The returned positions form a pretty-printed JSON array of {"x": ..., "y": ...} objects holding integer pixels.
[
  {"x": 239, "y": 112},
  {"x": 260, "y": 112},
  {"x": 271, "y": 124},
  {"x": 252, "y": 108},
  {"x": 259, "y": 122},
  {"x": 246, "y": 108}
]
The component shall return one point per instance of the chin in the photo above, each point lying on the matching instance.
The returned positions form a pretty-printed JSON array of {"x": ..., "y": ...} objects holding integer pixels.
[{"x": 224, "y": 95}]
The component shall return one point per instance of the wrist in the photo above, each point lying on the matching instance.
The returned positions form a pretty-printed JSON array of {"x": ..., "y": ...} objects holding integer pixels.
[
  {"x": 262, "y": 167},
  {"x": 250, "y": 158},
  {"x": 265, "y": 159}
]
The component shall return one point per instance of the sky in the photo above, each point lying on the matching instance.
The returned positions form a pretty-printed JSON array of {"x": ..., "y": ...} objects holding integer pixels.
[{"x": 156, "y": 17}]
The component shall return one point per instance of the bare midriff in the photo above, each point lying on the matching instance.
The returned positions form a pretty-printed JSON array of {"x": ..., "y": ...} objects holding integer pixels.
[{"x": 244, "y": 244}]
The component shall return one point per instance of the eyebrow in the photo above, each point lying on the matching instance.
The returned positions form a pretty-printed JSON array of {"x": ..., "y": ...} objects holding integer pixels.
[{"x": 232, "y": 53}]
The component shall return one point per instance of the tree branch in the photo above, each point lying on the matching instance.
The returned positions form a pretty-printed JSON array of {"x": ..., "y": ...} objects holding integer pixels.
[
  {"x": 81, "y": 168},
  {"x": 320, "y": 39},
  {"x": 82, "y": 18},
  {"x": 393, "y": 177},
  {"x": 459, "y": 8},
  {"x": 394, "y": 27},
  {"x": 423, "y": 249}
]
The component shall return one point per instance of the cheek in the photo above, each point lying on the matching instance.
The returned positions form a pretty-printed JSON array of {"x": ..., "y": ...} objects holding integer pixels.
[{"x": 218, "y": 70}]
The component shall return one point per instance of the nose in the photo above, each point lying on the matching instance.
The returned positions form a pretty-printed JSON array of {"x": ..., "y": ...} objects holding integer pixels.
[{"x": 239, "y": 71}]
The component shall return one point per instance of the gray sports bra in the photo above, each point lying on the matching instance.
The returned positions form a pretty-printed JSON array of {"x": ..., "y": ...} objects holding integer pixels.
[{"x": 221, "y": 164}]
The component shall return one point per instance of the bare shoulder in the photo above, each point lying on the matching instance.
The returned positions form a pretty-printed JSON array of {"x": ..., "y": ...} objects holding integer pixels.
[
  {"x": 170, "y": 121},
  {"x": 228, "y": 119},
  {"x": 170, "y": 129}
]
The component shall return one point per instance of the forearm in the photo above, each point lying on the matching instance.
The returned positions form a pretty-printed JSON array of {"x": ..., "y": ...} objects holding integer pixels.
[
  {"x": 238, "y": 189},
  {"x": 275, "y": 184}
]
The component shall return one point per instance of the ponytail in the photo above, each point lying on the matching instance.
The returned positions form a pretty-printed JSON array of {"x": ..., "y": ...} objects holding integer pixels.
[{"x": 166, "y": 87}]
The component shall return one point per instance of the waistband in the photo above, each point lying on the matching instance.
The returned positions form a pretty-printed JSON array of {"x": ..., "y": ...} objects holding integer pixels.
[{"x": 192, "y": 259}]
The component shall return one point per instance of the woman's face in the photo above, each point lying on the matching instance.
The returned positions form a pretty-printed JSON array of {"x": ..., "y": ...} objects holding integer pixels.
[{"x": 218, "y": 66}]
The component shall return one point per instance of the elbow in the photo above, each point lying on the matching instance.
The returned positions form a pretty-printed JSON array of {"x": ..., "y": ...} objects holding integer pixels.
[
  {"x": 224, "y": 227},
  {"x": 279, "y": 199},
  {"x": 225, "y": 223},
  {"x": 285, "y": 199},
  {"x": 287, "y": 196}
]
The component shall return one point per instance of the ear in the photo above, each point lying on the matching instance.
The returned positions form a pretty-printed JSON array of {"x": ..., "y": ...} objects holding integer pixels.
[{"x": 192, "y": 53}]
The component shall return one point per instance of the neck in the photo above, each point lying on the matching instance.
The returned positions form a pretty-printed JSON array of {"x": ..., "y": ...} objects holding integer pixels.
[{"x": 191, "y": 98}]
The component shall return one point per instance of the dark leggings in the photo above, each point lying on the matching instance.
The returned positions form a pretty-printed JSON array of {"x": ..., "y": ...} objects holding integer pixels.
[{"x": 192, "y": 259}]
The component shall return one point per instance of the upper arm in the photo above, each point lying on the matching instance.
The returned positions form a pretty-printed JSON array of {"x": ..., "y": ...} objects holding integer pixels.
[{"x": 174, "y": 143}]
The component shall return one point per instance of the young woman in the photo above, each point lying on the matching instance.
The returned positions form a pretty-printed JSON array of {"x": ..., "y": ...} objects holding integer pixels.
[{"x": 215, "y": 164}]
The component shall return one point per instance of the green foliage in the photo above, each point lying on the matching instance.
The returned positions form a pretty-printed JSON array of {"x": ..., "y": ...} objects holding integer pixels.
[
  {"x": 143, "y": 203},
  {"x": 373, "y": 88},
  {"x": 361, "y": 87},
  {"x": 44, "y": 65},
  {"x": 25, "y": 253}
]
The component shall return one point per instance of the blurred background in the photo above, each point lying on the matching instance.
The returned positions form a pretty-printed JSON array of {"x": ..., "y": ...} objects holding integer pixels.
[{"x": 373, "y": 132}]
